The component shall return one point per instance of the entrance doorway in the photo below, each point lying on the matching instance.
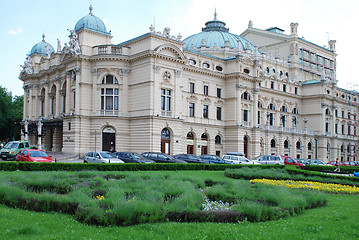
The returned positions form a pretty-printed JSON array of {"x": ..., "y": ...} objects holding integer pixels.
[
  {"x": 245, "y": 146},
  {"x": 108, "y": 139},
  {"x": 166, "y": 141}
]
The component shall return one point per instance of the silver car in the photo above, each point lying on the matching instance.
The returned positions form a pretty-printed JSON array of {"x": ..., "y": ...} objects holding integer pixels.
[
  {"x": 101, "y": 157},
  {"x": 269, "y": 159},
  {"x": 238, "y": 159}
]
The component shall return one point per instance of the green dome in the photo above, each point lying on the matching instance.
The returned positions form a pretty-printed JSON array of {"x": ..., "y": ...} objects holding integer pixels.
[
  {"x": 216, "y": 34},
  {"x": 91, "y": 23},
  {"x": 41, "y": 48}
]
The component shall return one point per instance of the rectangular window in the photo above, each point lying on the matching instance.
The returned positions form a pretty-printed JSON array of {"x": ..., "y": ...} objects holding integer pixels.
[
  {"x": 191, "y": 87},
  {"x": 349, "y": 130},
  {"x": 109, "y": 99},
  {"x": 284, "y": 88},
  {"x": 205, "y": 90},
  {"x": 219, "y": 113},
  {"x": 326, "y": 127},
  {"x": 245, "y": 115},
  {"x": 336, "y": 112},
  {"x": 342, "y": 129},
  {"x": 272, "y": 85},
  {"x": 271, "y": 119},
  {"x": 336, "y": 128},
  {"x": 165, "y": 100},
  {"x": 219, "y": 93},
  {"x": 205, "y": 111},
  {"x": 191, "y": 109},
  {"x": 342, "y": 114},
  {"x": 295, "y": 90}
]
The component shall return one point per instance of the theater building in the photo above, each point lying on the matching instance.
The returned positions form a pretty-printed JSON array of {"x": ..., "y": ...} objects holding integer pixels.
[{"x": 258, "y": 92}]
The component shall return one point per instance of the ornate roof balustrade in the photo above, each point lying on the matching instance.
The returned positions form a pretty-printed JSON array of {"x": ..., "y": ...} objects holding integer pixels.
[{"x": 109, "y": 49}]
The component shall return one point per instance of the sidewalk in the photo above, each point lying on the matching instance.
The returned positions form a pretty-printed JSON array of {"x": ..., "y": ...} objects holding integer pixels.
[{"x": 63, "y": 157}]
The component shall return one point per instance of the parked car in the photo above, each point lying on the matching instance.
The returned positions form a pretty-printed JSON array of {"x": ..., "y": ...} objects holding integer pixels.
[
  {"x": 315, "y": 162},
  {"x": 33, "y": 155},
  {"x": 302, "y": 161},
  {"x": 270, "y": 159},
  {"x": 161, "y": 157},
  {"x": 101, "y": 157},
  {"x": 235, "y": 153},
  {"x": 11, "y": 149},
  {"x": 346, "y": 163},
  {"x": 290, "y": 161},
  {"x": 236, "y": 159},
  {"x": 189, "y": 158},
  {"x": 131, "y": 157},
  {"x": 214, "y": 159}
]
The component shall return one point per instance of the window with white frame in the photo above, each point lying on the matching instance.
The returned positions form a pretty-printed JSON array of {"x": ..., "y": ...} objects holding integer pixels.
[
  {"x": 109, "y": 99},
  {"x": 166, "y": 100}
]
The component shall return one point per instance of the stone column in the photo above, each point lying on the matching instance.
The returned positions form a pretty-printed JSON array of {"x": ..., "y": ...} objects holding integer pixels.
[
  {"x": 30, "y": 107},
  {"x": 68, "y": 101},
  {"x": 39, "y": 134},
  {"x": 25, "y": 104},
  {"x": 124, "y": 98},
  {"x": 239, "y": 102},
  {"x": 255, "y": 107},
  {"x": 57, "y": 109}
]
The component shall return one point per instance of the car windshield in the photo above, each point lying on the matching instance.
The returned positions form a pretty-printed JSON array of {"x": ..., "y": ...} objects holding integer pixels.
[
  {"x": 38, "y": 154},
  {"x": 137, "y": 155},
  {"x": 11, "y": 145},
  {"x": 242, "y": 158},
  {"x": 106, "y": 155}
]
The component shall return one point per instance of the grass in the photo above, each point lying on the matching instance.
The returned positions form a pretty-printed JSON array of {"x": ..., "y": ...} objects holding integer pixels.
[{"x": 337, "y": 220}]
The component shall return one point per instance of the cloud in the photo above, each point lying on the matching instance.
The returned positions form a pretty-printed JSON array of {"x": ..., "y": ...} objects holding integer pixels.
[{"x": 15, "y": 31}]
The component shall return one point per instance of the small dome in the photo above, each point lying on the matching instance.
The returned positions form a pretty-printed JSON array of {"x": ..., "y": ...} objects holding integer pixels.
[
  {"x": 91, "y": 23},
  {"x": 215, "y": 34},
  {"x": 41, "y": 48}
]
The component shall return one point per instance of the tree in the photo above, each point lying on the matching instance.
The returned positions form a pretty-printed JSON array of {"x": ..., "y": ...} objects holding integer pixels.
[{"x": 11, "y": 112}]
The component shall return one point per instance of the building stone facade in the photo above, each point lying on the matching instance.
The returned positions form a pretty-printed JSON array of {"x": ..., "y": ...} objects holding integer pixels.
[{"x": 260, "y": 92}]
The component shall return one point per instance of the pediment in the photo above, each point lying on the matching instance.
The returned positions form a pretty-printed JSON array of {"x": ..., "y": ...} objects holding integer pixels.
[{"x": 170, "y": 50}]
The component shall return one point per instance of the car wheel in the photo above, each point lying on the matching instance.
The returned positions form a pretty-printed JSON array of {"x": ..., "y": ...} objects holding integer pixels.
[{"x": 85, "y": 161}]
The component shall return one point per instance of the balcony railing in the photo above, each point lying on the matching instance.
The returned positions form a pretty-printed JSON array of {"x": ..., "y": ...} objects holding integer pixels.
[
  {"x": 109, "y": 112},
  {"x": 108, "y": 49}
]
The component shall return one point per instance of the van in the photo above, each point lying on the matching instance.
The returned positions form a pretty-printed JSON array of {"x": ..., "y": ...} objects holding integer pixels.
[{"x": 11, "y": 149}]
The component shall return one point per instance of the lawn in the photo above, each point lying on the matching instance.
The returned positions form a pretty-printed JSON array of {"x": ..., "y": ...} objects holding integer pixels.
[{"x": 337, "y": 220}]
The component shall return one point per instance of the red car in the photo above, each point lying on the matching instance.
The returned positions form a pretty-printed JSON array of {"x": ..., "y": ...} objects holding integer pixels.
[
  {"x": 33, "y": 155},
  {"x": 290, "y": 161}
]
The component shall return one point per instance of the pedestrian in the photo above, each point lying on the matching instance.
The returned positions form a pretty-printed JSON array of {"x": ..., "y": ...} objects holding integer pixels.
[{"x": 337, "y": 165}]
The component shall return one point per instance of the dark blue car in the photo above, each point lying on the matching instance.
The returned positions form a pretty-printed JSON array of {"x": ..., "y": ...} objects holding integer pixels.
[{"x": 214, "y": 159}]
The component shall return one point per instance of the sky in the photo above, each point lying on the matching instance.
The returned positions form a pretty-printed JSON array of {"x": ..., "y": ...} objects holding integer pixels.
[{"x": 23, "y": 22}]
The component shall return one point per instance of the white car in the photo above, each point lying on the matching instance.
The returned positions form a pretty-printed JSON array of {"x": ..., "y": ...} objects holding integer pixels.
[
  {"x": 269, "y": 159},
  {"x": 101, "y": 157},
  {"x": 238, "y": 159}
]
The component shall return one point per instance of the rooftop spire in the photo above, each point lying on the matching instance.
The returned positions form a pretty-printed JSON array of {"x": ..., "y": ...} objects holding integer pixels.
[
  {"x": 43, "y": 37},
  {"x": 91, "y": 8},
  {"x": 215, "y": 14}
]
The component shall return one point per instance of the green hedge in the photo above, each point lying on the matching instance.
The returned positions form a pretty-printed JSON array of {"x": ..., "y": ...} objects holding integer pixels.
[
  {"x": 27, "y": 166},
  {"x": 348, "y": 169}
]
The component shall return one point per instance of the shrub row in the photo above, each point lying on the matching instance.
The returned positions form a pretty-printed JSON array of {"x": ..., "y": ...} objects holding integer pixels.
[
  {"x": 26, "y": 166},
  {"x": 320, "y": 168}
]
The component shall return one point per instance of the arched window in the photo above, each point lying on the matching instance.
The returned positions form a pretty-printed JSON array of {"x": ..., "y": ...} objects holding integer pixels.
[
  {"x": 283, "y": 109},
  {"x": 218, "y": 140},
  {"x": 246, "y": 96},
  {"x": 271, "y": 106},
  {"x": 298, "y": 145},
  {"x": 327, "y": 112},
  {"x": 309, "y": 146},
  {"x": 166, "y": 134},
  {"x": 286, "y": 144},
  {"x": 295, "y": 111},
  {"x": 260, "y": 105},
  {"x": 109, "y": 79},
  {"x": 341, "y": 148},
  {"x": 190, "y": 135},
  {"x": 272, "y": 143},
  {"x": 204, "y": 136}
]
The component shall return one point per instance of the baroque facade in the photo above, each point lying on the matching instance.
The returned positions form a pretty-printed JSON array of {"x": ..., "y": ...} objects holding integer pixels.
[{"x": 260, "y": 92}]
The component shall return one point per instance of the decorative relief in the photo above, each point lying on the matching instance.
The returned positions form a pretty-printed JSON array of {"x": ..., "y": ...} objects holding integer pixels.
[
  {"x": 156, "y": 68},
  {"x": 178, "y": 73},
  {"x": 167, "y": 76},
  {"x": 125, "y": 72}
]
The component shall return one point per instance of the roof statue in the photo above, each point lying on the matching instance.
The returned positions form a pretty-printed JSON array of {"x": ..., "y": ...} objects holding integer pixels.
[
  {"x": 27, "y": 67},
  {"x": 59, "y": 45},
  {"x": 74, "y": 45}
]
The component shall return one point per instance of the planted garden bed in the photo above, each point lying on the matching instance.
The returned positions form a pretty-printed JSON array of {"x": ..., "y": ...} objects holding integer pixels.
[{"x": 127, "y": 198}]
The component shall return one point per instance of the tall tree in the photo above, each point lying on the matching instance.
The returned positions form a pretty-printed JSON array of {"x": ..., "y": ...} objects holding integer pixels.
[{"x": 11, "y": 109}]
